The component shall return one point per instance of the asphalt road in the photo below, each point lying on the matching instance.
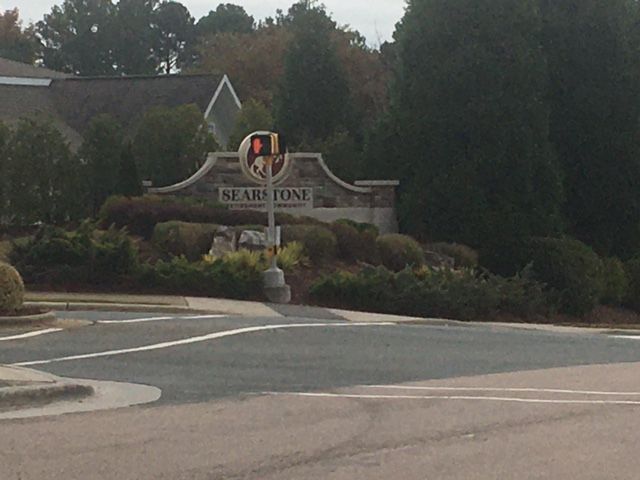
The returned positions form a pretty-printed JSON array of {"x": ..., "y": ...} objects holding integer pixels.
[{"x": 262, "y": 398}]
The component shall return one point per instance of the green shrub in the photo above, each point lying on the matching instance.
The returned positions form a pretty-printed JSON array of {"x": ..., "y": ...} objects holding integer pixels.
[
  {"x": 141, "y": 214},
  {"x": 615, "y": 282},
  {"x": 292, "y": 256},
  {"x": 319, "y": 242},
  {"x": 632, "y": 270},
  {"x": 463, "y": 256},
  {"x": 180, "y": 238},
  {"x": 398, "y": 251},
  {"x": 462, "y": 294},
  {"x": 354, "y": 245},
  {"x": 86, "y": 255},
  {"x": 11, "y": 289},
  {"x": 236, "y": 276},
  {"x": 360, "y": 227},
  {"x": 571, "y": 270}
]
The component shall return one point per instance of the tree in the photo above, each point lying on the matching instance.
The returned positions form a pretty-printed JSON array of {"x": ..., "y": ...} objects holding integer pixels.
[
  {"x": 43, "y": 177},
  {"x": 226, "y": 18},
  {"x": 595, "y": 97},
  {"x": 469, "y": 112},
  {"x": 77, "y": 37},
  {"x": 101, "y": 151},
  {"x": 128, "y": 183},
  {"x": 17, "y": 43},
  {"x": 4, "y": 138},
  {"x": 313, "y": 100},
  {"x": 253, "y": 117},
  {"x": 175, "y": 32},
  {"x": 135, "y": 37},
  {"x": 171, "y": 144}
]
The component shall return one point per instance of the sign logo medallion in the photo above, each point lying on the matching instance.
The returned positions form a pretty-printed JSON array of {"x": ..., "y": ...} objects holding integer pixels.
[{"x": 254, "y": 165}]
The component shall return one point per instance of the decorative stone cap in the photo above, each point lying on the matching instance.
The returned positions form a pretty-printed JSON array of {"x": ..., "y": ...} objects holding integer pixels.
[{"x": 377, "y": 183}]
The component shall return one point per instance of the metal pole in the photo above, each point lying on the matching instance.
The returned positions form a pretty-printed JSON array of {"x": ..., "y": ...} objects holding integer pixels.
[{"x": 271, "y": 214}]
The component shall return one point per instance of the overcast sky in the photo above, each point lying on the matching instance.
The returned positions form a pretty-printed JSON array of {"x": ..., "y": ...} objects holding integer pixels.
[{"x": 375, "y": 19}]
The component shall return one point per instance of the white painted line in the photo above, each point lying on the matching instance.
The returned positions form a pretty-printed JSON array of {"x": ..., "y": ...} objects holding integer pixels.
[
  {"x": 626, "y": 337},
  {"x": 455, "y": 397},
  {"x": 158, "y": 319},
  {"x": 31, "y": 334},
  {"x": 493, "y": 389},
  {"x": 202, "y": 338}
]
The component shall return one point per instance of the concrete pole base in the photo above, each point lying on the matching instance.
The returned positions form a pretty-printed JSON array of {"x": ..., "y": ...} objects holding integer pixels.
[{"x": 280, "y": 294}]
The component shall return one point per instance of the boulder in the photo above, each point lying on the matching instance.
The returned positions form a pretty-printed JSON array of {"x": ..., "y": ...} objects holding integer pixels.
[{"x": 224, "y": 241}]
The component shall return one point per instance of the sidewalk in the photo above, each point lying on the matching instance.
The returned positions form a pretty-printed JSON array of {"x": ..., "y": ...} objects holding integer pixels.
[{"x": 21, "y": 387}]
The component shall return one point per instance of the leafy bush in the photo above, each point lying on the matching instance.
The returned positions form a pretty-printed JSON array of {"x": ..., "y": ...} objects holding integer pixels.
[
  {"x": 141, "y": 214},
  {"x": 397, "y": 251},
  {"x": 615, "y": 282},
  {"x": 462, "y": 294},
  {"x": 319, "y": 242},
  {"x": 292, "y": 256},
  {"x": 180, "y": 238},
  {"x": 86, "y": 255},
  {"x": 360, "y": 227},
  {"x": 632, "y": 270},
  {"x": 353, "y": 244},
  {"x": 11, "y": 289},
  {"x": 231, "y": 277},
  {"x": 463, "y": 256},
  {"x": 571, "y": 270}
]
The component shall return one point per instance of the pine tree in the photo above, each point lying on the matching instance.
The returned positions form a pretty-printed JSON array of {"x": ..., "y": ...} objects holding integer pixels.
[
  {"x": 471, "y": 123},
  {"x": 592, "y": 47},
  {"x": 129, "y": 183}
]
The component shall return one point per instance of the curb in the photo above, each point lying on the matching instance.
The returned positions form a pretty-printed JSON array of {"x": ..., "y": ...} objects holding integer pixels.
[
  {"x": 28, "y": 319},
  {"x": 20, "y": 396},
  {"x": 115, "y": 307}
]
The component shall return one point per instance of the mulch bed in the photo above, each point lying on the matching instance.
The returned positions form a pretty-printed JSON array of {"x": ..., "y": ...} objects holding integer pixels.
[{"x": 24, "y": 312}]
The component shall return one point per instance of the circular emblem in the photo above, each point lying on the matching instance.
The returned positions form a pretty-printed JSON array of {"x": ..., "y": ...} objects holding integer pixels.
[{"x": 254, "y": 167}]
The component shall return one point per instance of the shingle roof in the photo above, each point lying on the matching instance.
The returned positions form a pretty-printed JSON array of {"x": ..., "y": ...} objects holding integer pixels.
[
  {"x": 71, "y": 102},
  {"x": 10, "y": 68},
  {"x": 127, "y": 98}
]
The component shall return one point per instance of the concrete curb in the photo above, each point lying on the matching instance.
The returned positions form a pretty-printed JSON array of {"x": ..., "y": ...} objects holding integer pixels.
[
  {"x": 116, "y": 307},
  {"x": 30, "y": 395},
  {"x": 28, "y": 319}
]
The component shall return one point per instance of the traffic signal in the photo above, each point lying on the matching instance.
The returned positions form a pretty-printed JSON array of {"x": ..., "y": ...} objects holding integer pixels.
[{"x": 263, "y": 145}]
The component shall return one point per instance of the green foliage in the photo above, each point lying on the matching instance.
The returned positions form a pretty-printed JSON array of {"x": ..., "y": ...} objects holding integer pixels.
[
  {"x": 41, "y": 178},
  {"x": 360, "y": 226},
  {"x": 231, "y": 277},
  {"x": 11, "y": 289},
  {"x": 291, "y": 257},
  {"x": 83, "y": 256},
  {"x": 319, "y": 242},
  {"x": 477, "y": 166},
  {"x": 17, "y": 43},
  {"x": 226, "y": 18},
  {"x": 595, "y": 117},
  {"x": 353, "y": 244},
  {"x": 140, "y": 215},
  {"x": 313, "y": 96},
  {"x": 253, "y": 117},
  {"x": 192, "y": 240},
  {"x": 615, "y": 282},
  {"x": 399, "y": 251},
  {"x": 463, "y": 294},
  {"x": 101, "y": 151},
  {"x": 632, "y": 270},
  {"x": 571, "y": 270},
  {"x": 128, "y": 182},
  {"x": 175, "y": 31},
  {"x": 463, "y": 256},
  {"x": 171, "y": 144}
]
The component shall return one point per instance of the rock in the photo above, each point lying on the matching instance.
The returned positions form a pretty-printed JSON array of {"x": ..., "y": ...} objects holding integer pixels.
[
  {"x": 224, "y": 241},
  {"x": 252, "y": 240},
  {"x": 437, "y": 260}
]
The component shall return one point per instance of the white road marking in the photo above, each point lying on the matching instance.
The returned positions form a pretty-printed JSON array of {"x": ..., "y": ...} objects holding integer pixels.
[
  {"x": 198, "y": 339},
  {"x": 454, "y": 397},
  {"x": 493, "y": 389},
  {"x": 626, "y": 337},
  {"x": 158, "y": 319},
  {"x": 31, "y": 334}
]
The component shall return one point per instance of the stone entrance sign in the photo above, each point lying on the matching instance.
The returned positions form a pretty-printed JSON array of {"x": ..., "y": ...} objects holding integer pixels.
[{"x": 306, "y": 187}]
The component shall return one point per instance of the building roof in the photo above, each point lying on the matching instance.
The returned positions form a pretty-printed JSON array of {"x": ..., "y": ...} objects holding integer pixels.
[
  {"x": 11, "y": 68},
  {"x": 71, "y": 102}
]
